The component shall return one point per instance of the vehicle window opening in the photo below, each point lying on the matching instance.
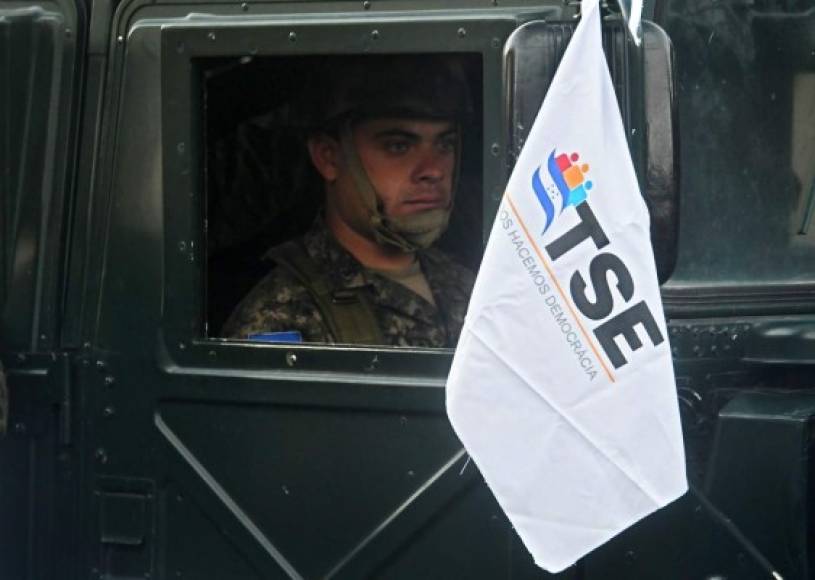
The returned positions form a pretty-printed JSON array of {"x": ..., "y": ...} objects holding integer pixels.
[
  {"x": 262, "y": 187},
  {"x": 746, "y": 88}
]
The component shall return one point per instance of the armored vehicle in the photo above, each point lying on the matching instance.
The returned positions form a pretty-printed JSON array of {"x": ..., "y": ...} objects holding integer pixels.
[{"x": 151, "y": 154}]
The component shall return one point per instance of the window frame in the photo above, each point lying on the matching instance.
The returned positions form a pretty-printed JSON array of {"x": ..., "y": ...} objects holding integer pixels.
[
  {"x": 183, "y": 328},
  {"x": 687, "y": 294}
]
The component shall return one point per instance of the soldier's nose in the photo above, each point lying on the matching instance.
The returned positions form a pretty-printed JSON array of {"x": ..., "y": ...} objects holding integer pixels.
[{"x": 432, "y": 167}]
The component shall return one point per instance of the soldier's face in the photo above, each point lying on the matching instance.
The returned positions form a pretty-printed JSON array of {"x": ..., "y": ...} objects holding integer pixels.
[{"x": 409, "y": 162}]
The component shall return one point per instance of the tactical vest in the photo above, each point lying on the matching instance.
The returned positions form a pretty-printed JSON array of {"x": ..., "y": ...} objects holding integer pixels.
[{"x": 348, "y": 313}]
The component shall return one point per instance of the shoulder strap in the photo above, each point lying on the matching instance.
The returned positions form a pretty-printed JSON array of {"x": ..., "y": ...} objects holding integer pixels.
[{"x": 347, "y": 312}]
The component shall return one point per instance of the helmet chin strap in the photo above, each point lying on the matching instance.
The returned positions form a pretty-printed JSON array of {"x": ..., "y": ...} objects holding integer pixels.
[{"x": 406, "y": 233}]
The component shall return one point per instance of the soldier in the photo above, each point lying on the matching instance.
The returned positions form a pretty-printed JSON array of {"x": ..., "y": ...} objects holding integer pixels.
[{"x": 387, "y": 148}]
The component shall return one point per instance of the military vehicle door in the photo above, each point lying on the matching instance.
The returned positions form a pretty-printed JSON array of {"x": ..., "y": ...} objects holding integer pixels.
[{"x": 214, "y": 458}]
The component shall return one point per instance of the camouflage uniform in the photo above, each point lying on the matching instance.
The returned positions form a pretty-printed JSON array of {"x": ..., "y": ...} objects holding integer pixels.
[{"x": 281, "y": 303}]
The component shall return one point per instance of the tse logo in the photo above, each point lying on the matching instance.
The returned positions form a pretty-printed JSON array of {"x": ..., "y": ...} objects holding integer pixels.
[{"x": 599, "y": 309}]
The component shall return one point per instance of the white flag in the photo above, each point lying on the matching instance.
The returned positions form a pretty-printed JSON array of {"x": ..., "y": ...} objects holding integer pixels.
[{"x": 562, "y": 387}]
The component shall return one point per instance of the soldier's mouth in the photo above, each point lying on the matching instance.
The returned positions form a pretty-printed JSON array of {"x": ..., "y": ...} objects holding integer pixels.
[{"x": 426, "y": 202}]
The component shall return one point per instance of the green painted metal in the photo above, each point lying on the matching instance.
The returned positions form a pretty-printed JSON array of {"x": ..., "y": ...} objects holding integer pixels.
[
  {"x": 141, "y": 446},
  {"x": 39, "y": 74}
]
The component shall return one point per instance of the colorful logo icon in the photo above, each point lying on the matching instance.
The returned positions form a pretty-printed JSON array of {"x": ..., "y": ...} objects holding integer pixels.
[{"x": 566, "y": 185}]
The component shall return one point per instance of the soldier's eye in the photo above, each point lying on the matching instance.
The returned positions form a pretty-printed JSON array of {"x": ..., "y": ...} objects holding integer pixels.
[
  {"x": 397, "y": 146},
  {"x": 448, "y": 143}
]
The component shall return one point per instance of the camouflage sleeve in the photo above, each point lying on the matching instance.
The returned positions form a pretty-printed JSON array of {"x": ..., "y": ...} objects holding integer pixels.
[
  {"x": 278, "y": 303},
  {"x": 455, "y": 280},
  {"x": 466, "y": 278},
  {"x": 454, "y": 284}
]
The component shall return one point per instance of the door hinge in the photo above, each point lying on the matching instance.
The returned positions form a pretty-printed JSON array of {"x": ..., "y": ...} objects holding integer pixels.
[{"x": 36, "y": 383}]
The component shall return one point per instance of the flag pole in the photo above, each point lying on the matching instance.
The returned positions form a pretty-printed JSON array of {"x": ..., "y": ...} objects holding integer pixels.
[{"x": 631, "y": 17}]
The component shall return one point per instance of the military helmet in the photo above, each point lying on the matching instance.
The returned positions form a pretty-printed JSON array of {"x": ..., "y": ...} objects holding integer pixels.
[{"x": 376, "y": 86}]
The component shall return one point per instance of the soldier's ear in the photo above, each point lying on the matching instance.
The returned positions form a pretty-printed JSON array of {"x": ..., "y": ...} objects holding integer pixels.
[{"x": 324, "y": 151}]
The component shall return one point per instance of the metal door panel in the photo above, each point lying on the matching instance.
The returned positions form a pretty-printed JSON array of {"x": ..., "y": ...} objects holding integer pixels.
[
  {"x": 309, "y": 467},
  {"x": 213, "y": 550},
  {"x": 301, "y": 462}
]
